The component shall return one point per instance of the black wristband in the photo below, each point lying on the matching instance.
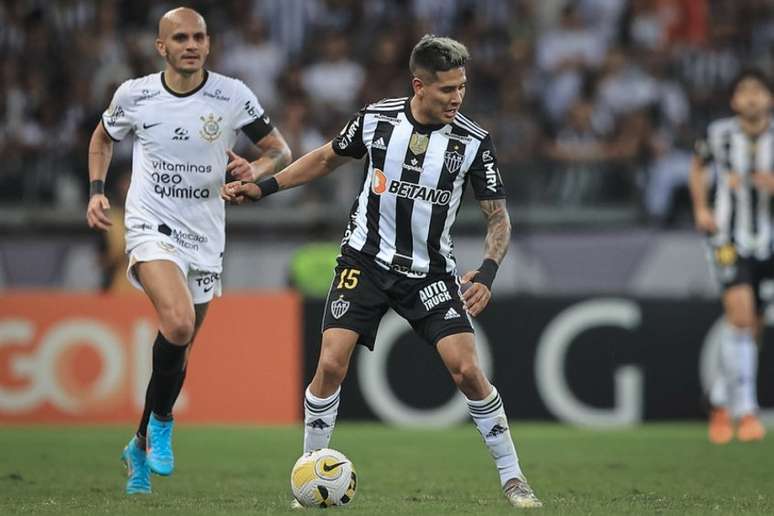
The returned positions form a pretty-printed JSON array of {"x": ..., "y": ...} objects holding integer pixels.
[
  {"x": 96, "y": 187},
  {"x": 486, "y": 273},
  {"x": 268, "y": 186}
]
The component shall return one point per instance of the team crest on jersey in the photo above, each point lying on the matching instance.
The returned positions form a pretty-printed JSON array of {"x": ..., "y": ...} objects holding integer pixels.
[
  {"x": 210, "y": 131},
  {"x": 339, "y": 307},
  {"x": 725, "y": 255},
  {"x": 418, "y": 143},
  {"x": 453, "y": 161}
]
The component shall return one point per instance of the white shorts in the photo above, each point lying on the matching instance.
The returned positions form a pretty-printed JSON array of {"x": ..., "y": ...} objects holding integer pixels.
[{"x": 203, "y": 285}]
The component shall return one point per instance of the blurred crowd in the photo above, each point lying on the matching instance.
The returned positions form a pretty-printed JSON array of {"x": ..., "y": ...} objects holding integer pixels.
[{"x": 590, "y": 102}]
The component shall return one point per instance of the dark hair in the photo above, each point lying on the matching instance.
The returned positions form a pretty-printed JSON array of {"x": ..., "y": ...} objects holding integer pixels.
[
  {"x": 437, "y": 54},
  {"x": 749, "y": 73}
]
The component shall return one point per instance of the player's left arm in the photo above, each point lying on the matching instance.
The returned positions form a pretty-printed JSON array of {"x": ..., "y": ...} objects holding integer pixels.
[
  {"x": 490, "y": 192},
  {"x": 275, "y": 155}
]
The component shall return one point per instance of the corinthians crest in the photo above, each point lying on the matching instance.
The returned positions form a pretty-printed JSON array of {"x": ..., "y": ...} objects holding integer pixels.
[
  {"x": 418, "y": 143},
  {"x": 339, "y": 307},
  {"x": 210, "y": 131}
]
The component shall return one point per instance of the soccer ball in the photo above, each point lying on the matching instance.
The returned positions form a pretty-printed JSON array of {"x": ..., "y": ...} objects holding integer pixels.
[{"x": 323, "y": 478}]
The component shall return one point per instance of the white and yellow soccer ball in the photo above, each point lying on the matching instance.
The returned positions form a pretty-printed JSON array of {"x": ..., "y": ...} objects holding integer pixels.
[{"x": 323, "y": 478}]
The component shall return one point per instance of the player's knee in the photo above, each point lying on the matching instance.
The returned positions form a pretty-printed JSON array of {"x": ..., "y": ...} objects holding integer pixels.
[
  {"x": 467, "y": 373},
  {"x": 333, "y": 367},
  {"x": 178, "y": 326}
]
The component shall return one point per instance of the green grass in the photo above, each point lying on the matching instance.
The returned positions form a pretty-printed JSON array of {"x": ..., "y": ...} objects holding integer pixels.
[{"x": 655, "y": 469}]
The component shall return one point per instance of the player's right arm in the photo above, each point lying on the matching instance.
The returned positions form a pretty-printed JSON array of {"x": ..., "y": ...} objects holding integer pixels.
[
  {"x": 702, "y": 214},
  {"x": 318, "y": 163},
  {"x": 100, "y": 153}
]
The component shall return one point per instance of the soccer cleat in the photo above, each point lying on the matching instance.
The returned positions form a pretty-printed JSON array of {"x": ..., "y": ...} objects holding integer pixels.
[
  {"x": 160, "y": 458},
  {"x": 137, "y": 469},
  {"x": 518, "y": 492},
  {"x": 720, "y": 430},
  {"x": 750, "y": 429}
]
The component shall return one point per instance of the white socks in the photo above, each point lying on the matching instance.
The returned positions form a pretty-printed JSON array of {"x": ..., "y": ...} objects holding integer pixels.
[
  {"x": 735, "y": 386},
  {"x": 489, "y": 416},
  {"x": 319, "y": 419}
]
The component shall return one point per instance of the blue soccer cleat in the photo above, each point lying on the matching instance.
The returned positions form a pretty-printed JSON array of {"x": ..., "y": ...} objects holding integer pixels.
[
  {"x": 160, "y": 458},
  {"x": 137, "y": 469}
]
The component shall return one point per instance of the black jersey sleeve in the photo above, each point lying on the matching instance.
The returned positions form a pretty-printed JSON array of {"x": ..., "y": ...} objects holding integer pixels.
[
  {"x": 349, "y": 142},
  {"x": 484, "y": 174}
]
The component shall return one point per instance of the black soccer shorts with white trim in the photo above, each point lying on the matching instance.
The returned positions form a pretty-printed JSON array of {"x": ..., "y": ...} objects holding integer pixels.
[{"x": 362, "y": 291}]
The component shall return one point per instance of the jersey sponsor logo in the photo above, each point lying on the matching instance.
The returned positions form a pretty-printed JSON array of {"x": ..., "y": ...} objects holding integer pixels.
[
  {"x": 348, "y": 133},
  {"x": 491, "y": 177},
  {"x": 148, "y": 126},
  {"x": 147, "y": 94},
  {"x": 379, "y": 144},
  {"x": 418, "y": 143},
  {"x": 389, "y": 119},
  {"x": 453, "y": 161},
  {"x": 166, "y": 166},
  {"x": 434, "y": 294},
  {"x": 379, "y": 183},
  {"x": 413, "y": 166},
  {"x": 414, "y": 191},
  {"x": 210, "y": 130},
  {"x": 251, "y": 110},
  {"x": 459, "y": 138},
  {"x": 339, "y": 307},
  {"x": 190, "y": 241},
  {"x": 486, "y": 156},
  {"x": 181, "y": 134},
  {"x": 114, "y": 112},
  {"x": 207, "y": 281},
  {"x": 168, "y": 185},
  {"x": 217, "y": 95},
  {"x": 451, "y": 314}
]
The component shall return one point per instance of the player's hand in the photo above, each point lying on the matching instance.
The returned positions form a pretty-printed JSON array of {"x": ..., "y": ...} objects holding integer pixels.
[
  {"x": 763, "y": 181},
  {"x": 237, "y": 192},
  {"x": 475, "y": 296},
  {"x": 734, "y": 180},
  {"x": 95, "y": 213},
  {"x": 705, "y": 220},
  {"x": 239, "y": 168}
]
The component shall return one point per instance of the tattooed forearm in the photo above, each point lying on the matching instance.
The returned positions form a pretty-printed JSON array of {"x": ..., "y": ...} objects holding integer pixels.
[
  {"x": 272, "y": 160},
  {"x": 498, "y": 231}
]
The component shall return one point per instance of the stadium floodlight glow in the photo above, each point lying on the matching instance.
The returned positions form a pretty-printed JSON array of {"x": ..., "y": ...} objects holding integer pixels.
[{"x": 377, "y": 392}]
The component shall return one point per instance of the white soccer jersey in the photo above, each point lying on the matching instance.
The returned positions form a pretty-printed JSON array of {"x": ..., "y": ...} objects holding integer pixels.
[{"x": 179, "y": 159}]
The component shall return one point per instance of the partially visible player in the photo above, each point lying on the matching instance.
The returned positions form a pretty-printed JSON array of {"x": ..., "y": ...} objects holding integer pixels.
[
  {"x": 740, "y": 152},
  {"x": 185, "y": 122},
  {"x": 397, "y": 252}
]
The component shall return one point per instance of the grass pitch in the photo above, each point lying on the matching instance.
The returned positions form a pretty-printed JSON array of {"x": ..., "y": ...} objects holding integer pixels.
[{"x": 654, "y": 469}]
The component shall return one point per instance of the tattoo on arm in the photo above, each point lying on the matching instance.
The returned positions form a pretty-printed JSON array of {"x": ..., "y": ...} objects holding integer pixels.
[
  {"x": 498, "y": 230},
  {"x": 277, "y": 159}
]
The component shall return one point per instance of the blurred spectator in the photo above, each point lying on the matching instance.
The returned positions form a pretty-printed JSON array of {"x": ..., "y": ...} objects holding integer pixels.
[{"x": 334, "y": 82}]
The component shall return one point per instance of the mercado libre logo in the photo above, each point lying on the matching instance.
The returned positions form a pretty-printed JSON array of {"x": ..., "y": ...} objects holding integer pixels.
[{"x": 210, "y": 130}]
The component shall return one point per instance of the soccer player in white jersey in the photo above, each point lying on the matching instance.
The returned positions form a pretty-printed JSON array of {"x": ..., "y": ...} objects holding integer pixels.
[
  {"x": 739, "y": 150},
  {"x": 185, "y": 122},
  {"x": 397, "y": 251}
]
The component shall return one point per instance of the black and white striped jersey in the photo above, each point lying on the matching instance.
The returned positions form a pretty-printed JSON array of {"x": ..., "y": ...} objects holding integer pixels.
[
  {"x": 742, "y": 215},
  {"x": 414, "y": 179}
]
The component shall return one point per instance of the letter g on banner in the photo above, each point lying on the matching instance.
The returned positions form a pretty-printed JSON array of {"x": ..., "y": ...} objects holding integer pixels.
[
  {"x": 375, "y": 384},
  {"x": 550, "y": 359}
]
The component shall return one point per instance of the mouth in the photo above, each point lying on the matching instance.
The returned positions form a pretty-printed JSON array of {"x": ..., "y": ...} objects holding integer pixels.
[{"x": 451, "y": 113}]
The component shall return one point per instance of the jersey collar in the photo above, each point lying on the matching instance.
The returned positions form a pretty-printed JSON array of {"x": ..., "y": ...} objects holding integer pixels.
[{"x": 187, "y": 93}]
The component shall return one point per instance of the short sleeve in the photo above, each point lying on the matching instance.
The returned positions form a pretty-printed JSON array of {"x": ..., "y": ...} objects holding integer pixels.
[
  {"x": 484, "y": 174},
  {"x": 703, "y": 151},
  {"x": 250, "y": 116},
  {"x": 117, "y": 119},
  {"x": 349, "y": 142}
]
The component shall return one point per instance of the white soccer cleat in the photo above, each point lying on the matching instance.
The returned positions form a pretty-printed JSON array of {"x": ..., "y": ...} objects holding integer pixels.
[{"x": 518, "y": 492}]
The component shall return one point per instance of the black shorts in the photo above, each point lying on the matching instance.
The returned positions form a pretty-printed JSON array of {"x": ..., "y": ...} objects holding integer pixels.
[
  {"x": 731, "y": 270},
  {"x": 362, "y": 291}
]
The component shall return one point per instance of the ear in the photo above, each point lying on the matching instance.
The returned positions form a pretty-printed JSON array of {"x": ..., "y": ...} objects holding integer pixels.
[
  {"x": 161, "y": 48},
  {"x": 417, "y": 85}
]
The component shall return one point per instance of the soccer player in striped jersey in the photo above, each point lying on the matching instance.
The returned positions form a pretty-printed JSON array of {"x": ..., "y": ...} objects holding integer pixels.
[
  {"x": 185, "y": 122},
  {"x": 739, "y": 151},
  {"x": 397, "y": 251}
]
